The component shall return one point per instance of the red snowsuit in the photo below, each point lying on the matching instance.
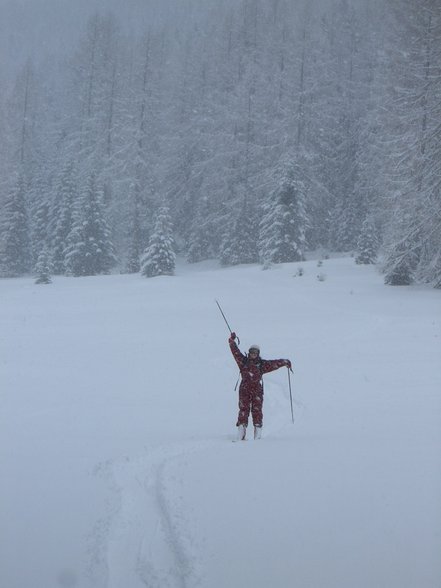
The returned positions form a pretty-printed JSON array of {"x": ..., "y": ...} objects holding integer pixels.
[{"x": 251, "y": 386}]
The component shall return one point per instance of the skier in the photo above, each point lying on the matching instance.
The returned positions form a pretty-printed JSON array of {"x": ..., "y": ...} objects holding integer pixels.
[{"x": 252, "y": 367}]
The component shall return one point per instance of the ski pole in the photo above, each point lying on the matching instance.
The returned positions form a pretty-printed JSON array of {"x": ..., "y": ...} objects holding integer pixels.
[
  {"x": 225, "y": 319},
  {"x": 290, "y": 394}
]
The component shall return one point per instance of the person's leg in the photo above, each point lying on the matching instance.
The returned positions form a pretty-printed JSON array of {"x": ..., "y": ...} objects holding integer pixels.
[
  {"x": 244, "y": 411},
  {"x": 257, "y": 408}
]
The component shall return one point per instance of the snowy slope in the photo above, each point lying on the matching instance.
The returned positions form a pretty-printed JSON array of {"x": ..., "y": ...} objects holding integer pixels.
[{"x": 118, "y": 408}]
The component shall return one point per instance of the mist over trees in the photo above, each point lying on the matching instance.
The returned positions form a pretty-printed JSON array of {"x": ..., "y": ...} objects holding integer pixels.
[{"x": 256, "y": 130}]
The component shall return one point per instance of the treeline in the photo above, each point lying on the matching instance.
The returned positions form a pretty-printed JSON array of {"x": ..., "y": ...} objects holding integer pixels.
[{"x": 246, "y": 131}]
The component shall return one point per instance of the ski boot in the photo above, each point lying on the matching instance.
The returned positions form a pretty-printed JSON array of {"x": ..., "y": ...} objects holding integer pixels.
[
  {"x": 257, "y": 432},
  {"x": 241, "y": 432}
]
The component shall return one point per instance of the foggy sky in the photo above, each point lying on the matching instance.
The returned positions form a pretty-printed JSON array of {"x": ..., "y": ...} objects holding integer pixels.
[{"x": 44, "y": 29}]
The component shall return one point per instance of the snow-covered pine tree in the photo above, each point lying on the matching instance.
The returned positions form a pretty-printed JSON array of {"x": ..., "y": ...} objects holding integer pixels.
[
  {"x": 240, "y": 242},
  {"x": 42, "y": 268},
  {"x": 39, "y": 218},
  {"x": 198, "y": 247},
  {"x": 412, "y": 242},
  {"x": 367, "y": 244},
  {"x": 89, "y": 250},
  {"x": 429, "y": 268},
  {"x": 344, "y": 224},
  {"x": 283, "y": 226},
  {"x": 399, "y": 268},
  {"x": 226, "y": 252},
  {"x": 61, "y": 216},
  {"x": 200, "y": 244},
  {"x": 436, "y": 268},
  {"x": 133, "y": 265},
  {"x": 159, "y": 257},
  {"x": 344, "y": 66},
  {"x": 202, "y": 232},
  {"x": 15, "y": 252}
]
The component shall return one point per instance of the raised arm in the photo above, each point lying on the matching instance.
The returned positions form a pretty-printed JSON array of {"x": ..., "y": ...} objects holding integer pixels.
[{"x": 237, "y": 354}]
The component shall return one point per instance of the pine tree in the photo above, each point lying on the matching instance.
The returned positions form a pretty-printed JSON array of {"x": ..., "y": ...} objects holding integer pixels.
[
  {"x": 412, "y": 242},
  {"x": 42, "y": 268},
  {"x": 61, "y": 216},
  {"x": 39, "y": 218},
  {"x": 159, "y": 258},
  {"x": 367, "y": 244},
  {"x": 400, "y": 267},
  {"x": 15, "y": 252},
  {"x": 345, "y": 226},
  {"x": 283, "y": 226},
  {"x": 133, "y": 265},
  {"x": 240, "y": 243},
  {"x": 199, "y": 247},
  {"x": 89, "y": 251}
]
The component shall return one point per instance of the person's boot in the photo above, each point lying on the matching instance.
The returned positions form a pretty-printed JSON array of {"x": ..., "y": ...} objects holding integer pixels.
[
  {"x": 258, "y": 432},
  {"x": 241, "y": 432}
]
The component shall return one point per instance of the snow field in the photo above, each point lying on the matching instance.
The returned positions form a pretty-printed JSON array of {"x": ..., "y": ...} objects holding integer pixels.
[{"x": 118, "y": 410}]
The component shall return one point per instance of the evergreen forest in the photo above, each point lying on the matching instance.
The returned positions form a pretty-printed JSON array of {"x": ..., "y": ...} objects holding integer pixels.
[{"x": 247, "y": 131}]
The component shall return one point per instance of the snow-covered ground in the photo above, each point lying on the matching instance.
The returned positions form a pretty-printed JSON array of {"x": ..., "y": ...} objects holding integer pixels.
[{"x": 118, "y": 409}]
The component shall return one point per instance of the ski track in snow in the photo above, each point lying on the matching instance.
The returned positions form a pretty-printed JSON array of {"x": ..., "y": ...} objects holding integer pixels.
[{"x": 147, "y": 543}]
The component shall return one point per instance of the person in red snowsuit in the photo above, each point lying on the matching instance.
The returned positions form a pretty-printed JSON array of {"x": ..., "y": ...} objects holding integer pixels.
[{"x": 252, "y": 367}]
